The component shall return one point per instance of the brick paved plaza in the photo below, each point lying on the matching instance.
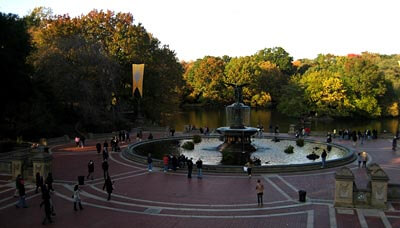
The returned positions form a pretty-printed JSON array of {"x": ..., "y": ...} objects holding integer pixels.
[{"x": 157, "y": 199}]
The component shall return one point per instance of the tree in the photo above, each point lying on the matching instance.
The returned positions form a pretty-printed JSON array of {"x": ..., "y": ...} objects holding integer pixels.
[
  {"x": 15, "y": 88},
  {"x": 278, "y": 56},
  {"x": 205, "y": 77}
]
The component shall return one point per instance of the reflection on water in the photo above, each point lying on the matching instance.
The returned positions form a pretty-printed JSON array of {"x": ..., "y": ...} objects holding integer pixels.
[
  {"x": 214, "y": 118},
  {"x": 271, "y": 153}
]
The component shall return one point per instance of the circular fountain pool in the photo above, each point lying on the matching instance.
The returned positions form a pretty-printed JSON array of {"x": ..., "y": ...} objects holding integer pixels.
[{"x": 270, "y": 153}]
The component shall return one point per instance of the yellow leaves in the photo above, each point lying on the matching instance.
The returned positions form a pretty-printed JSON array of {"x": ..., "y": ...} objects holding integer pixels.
[
  {"x": 262, "y": 99},
  {"x": 393, "y": 109}
]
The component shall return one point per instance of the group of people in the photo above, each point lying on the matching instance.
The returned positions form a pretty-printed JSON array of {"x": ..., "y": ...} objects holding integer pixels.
[
  {"x": 45, "y": 187},
  {"x": 173, "y": 162}
]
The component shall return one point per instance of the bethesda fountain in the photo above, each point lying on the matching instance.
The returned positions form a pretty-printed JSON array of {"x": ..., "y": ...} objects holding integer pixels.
[{"x": 237, "y": 146}]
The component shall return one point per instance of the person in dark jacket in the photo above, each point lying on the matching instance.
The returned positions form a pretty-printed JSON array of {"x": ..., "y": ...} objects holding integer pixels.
[
  {"x": 47, "y": 210},
  {"x": 174, "y": 162},
  {"x": 105, "y": 153},
  {"x": 17, "y": 182},
  {"x": 98, "y": 148},
  {"x": 323, "y": 157},
  {"x": 49, "y": 181},
  {"x": 39, "y": 182},
  {"x": 21, "y": 192},
  {"x": 190, "y": 167},
  {"x": 90, "y": 169},
  {"x": 199, "y": 166},
  {"x": 104, "y": 165},
  {"x": 149, "y": 163},
  {"x": 108, "y": 185},
  {"x": 105, "y": 146}
]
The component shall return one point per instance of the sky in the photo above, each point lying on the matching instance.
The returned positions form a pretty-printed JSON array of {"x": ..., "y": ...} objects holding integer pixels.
[{"x": 304, "y": 28}]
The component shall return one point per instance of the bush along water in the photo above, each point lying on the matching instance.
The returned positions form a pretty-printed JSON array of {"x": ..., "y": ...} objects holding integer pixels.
[
  {"x": 196, "y": 139},
  {"x": 189, "y": 145},
  {"x": 289, "y": 149},
  {"x": 300, "y": 142}
]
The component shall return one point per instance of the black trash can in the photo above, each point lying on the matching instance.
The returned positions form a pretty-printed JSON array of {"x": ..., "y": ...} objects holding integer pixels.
[
  {"x": 302, "y": 196},
  {"x": 81, "y": 180}
]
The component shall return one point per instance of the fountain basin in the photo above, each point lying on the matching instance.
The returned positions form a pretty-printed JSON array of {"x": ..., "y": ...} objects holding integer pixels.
[{"x": 211, "y": 157}]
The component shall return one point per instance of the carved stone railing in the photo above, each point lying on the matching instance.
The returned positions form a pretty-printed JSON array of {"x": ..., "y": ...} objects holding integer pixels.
[{"x": 375, "y": 195}]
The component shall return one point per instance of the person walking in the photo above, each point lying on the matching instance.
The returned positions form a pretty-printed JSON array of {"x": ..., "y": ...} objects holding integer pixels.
[
  {"x": 149, "y": 162},
  {"x": 39, "y": 182},
  {"x": 17, "y": 182},
  {"x": 108, "y": 185},
  {"x": 90, "y": 169},
  {"x": 105, "y": 146},
  {"x": 199, "y": 166},
  {"x": 394, "y": 143},
  {"x": 49, "y": 181},
  {"x": 323, "y": 157},
  {"x": 47, "y": 210},
  {"x": 364, "y": 159},
  {"x": 46, "y": 195},
  {"x": 260, "y": 192},
  {"x": 98, "y": 148},
  {"x": 105, "y": 153},
  {"x": 165, "y": 162},
  {"x": 22, "y": 195},
  {"x": 104, "y": 166},
  {"x": 249, "y": 166},
  {"x": 359, "y": 159},
  {"x": 77, "y": 197},
  {"x": 190, "y": 167}
]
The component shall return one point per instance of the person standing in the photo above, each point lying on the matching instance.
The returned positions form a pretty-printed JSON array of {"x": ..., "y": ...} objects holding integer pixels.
[
  {"x": 22, "y": 195},
  {"x": 90, "y": 169},
  {"x": 104, "y": 166},
  {"x": 323, "y": 157},
  {"x": 165, "y": 162},
  {"x": 359, "y": 159},
  {"x": 260, "y": 192},
  {"x": 149, "y": 162},
  {"x": 77, "y": 198},
  {"x": 150, "y": 137},
  {"x": 199, "y": 166},
  {"x": 98, "y": 148},
  {"x": 77, "y": 140},
  {"x": 190, "y": 167},
  {"x": 108, "y": 185}
]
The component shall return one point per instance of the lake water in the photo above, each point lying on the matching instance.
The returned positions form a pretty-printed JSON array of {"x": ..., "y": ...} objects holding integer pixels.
[{"x": 214, "y": 118}]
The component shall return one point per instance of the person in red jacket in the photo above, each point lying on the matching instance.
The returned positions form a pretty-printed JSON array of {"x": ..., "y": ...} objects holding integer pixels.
[{"x": 165, "y": 162}]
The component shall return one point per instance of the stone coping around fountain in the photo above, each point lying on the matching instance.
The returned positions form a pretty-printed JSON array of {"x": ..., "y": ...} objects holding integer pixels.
[{"x": 350, "y": 157}]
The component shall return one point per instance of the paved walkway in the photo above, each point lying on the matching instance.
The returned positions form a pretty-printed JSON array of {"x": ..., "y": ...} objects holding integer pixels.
[{"x": 158, "y": 199}]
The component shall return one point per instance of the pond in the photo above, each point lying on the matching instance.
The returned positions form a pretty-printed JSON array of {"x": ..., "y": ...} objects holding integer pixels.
[{"x": 214, "y": 118}]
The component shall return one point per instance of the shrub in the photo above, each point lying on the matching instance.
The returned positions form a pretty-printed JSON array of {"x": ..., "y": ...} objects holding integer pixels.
[
  {"x": 196, "y": 138},
  {"x": 300, "y": 142},
  {"x": 289, "y": 149},
  {"x": 189, "y": 145}
]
